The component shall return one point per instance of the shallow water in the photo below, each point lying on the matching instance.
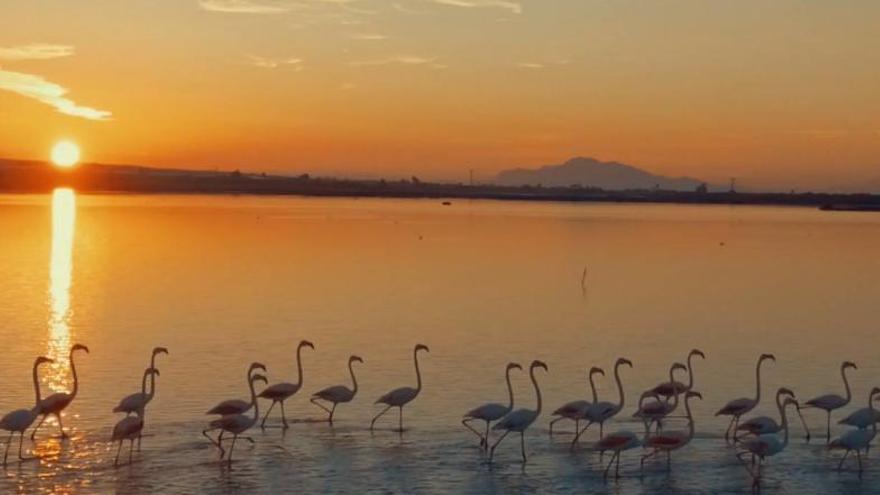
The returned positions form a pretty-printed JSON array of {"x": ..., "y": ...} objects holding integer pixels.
[{"x": 223, "y": 281}]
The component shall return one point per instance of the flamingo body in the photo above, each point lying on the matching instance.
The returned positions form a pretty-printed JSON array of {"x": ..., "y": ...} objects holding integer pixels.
[{"x": 237, "y": 406}]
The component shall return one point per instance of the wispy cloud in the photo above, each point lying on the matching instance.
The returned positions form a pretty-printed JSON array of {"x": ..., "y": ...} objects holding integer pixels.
[
  {"x": 36, "y": 51},
  {"x": 270, "y": 63},
  {"x": 530, "y": 65},
  {"x": 514, "y": 7},
  {"x": 368, "y": 36},
  {"x": 246, "y": 6},
  {"x": 49, "y": 93},
  {"x": 398, "y": 59}
]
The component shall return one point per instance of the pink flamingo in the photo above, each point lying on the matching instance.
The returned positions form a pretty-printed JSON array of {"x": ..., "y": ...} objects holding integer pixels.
[
  {"x": 738, "y": 407},
  {"x": 831, "y": 402},
  {"x": 600, "y": 412},
  {"x": 235, "y": 423},
  {"x": 338, "y": 394},
  {"x": 492, "y": 411},
  {"x": 402, "y": 396},
  {"x": 654, "y": 412},
  {"x": 576, "y": 410},
  {"x": 59, "y": 401},
  {"x": 667, "y": 389},
  {"x": 667, "y": 442},
  {"x": 521, "y": 419},
  {"x": 237, "y": 406},
  {"x": 280, "y": 392},
  {"x": 20, "y": 420}
]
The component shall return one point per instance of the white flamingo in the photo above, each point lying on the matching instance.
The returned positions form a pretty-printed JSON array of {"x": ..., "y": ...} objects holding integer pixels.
[
  {"x": 128, "y": 428},
  {"x": 667, "y": 389},
  {"x": 280, "y": 392},
  {"x": 854, "y": 441},
  {"x": 575, "y": 410},
  {"x": 238, "y": 406},
  {"x": 600, "y": 412},
  {"x": 765, "y": 425},
  {"x": 338, "y": 394},
  {"x": 616, "y": 442},
  {"x": 521, "y": 419},
  {"x": 866, "y": 416},
  {"x": 59, "y": 401},
  {"x": 235, "y": 423},
  {"x": 831, "y": 402},
  {"x": 765, "y": 446},
  {"x": 667, "y": 442},
  {"x": 655, "y": 411},
  {"x": 20, "y": 420},
  {"x": 402, "y": 396},
  {"x": 738, "y": 407},
  {"x": 492, "y": 411}
]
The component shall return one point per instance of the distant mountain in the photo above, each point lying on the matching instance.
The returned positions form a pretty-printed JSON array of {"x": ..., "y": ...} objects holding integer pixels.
[{"x": 589, "y": 172}]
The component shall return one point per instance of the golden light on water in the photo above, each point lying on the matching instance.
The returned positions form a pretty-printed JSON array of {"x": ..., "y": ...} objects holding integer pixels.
[
  {"x": 65, "y": 154},
  {"x": 60, "y": 278}
]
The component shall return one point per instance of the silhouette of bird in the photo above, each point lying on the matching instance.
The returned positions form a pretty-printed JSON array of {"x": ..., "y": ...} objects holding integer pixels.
[
  {"x": 854, "y": 441},
  {"x": 20, "y": 420},
  {"x": 668, "y": 389},
  {"x": 237, "y": 406},
  {"x": 765, "y": 425},
  {"x": 667, "y": 442},
  {"x": 616, "y": 442},
  {"x": 57, "y": 402},
  {"x": 128, "y": 428},
  {"x": 831, "y": 402},
  {"x": 739, "y": 407},
  {"x": 280, "y": 392},
  {"x": 866, "y": 416},
  {"x": 402, "y": 396},
  {"x": 575, "y": 410},
  {"x": 764, "y": 446},
  {"x": 600, "y": 412},
  {"x": 655, "y": 411},
  {"x": 492, "y": 411},
  {"x": 235, "y": 423},
  {"x": 136, "y": 403},
  {"x": 338, "y": 394},
  {"x": 520, "y": 420}
]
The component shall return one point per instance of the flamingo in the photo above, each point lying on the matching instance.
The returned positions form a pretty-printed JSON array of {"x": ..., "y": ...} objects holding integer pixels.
[
  {"x": 237, "y": 406},
  {"x": 667, "y": 389},
  {"x": 339, "y": 393},
  {"x": 655, "y": 411},
  {"x": 20, "y": 420},
  {"x": 235, "y": 423},
  {"x": 765, "y": 425},
  {"x": 738, "y": 407},
  {"x": 59, "y": 401},
  {"x": 830, "y": 402},
  {"x": 854, "y": 440},
  {"x": 280, "y": 392},
  {"x": 137, "y": 403},
  {"x": 866, "y": 416},
  {"x": 520, "y": 419},
  {"x": 491, "y": 411},
  {"x": 402, "y": 396},
  {"x": 128, "y": 428},
  {"x": 764, "y": 446},
  {"x": 616, "y": 442},
  {"x": 667, "y": 442},
  {"x": 600, "y": 412},
  {"x": 575, "y": 410}
]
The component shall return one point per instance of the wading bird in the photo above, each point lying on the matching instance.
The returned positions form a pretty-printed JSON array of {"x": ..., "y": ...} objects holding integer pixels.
[
  {"x": 521, "y": 419},
  {"x": 59, "y": 401},
  {"x": 667, "y": 442},
  {"x": 402, "y": 396},
  {"x": 20, "y": 420},
  {"x": 655, "y": 411},
  {"x": 854, "y": 441},
  {"x": 616, "y": 442},
  {"x": 765, "y": 446},
  {"x": 600, "y": 412},
  {"x": 492, "y": 411},
  {"x": 128, "y": 428},
  {"x": 668, "y": 389},
  {"x": 137, "y": 403},
  {"x": 765, "y": 425},
  {"x": 237, "y": 406},
  {"x": 576, "y": 410},
  {"x": 280, "y": 392},
  {"x": 830, "y": 402},
  {"x": 235, "y": 423},
  {"x": 866, "y": 416},
  {"x": 738, "y": 407},
  {"x": 338, "y": 394}
]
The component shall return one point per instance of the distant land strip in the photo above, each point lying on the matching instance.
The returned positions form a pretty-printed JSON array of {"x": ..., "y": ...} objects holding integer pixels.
[{"x": 21, "y": 176}]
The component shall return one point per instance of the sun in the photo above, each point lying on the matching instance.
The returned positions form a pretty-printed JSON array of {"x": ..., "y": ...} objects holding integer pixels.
[{"x": 65, "y": 154}]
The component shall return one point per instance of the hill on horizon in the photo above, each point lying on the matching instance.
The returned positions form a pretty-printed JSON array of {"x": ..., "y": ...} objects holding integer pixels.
[{"x": 589, "y": 172}]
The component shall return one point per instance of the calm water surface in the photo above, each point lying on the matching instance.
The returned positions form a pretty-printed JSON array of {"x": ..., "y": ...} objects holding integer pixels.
[{"x": 223, "y": 281}]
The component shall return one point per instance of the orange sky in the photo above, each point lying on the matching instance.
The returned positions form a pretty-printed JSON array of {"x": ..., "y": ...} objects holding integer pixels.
[{"x": 780, "y": 94}]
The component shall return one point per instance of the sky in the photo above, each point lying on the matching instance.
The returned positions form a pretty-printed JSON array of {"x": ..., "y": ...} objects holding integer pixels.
[{"x": 780, "y": 94}]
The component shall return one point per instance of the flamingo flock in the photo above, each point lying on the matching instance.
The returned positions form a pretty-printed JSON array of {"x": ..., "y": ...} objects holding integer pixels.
[{"x": 754, "y": 440}]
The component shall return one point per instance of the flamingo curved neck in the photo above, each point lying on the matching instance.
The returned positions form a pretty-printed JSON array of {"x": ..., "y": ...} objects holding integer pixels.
[
  {"x": 674, "y": 388},
  {"x": 37, "y": 384},
  {"x": 254, "y": 401},
  {"x": 690, "y": 372},
  {"x": 871, "y": 401},
  {"x": 781, "y": 406},
  {"x": 537, "y": 389},
  {"x": 152, "y": 385},
  {"x": 784, "y": 427},
  {"x": 354, "y": 382},
  {"x": 620, "y": 394},
  {"x": 75, "y": 378},
  {"x": 689, "y": 416},
  {"x": 593, "y": 389},
  {"x": 758, "y": 381},
  {"x": 144, "y": 383},
  {"x": 418, "y": 372},
  {"x": 846, "y": 384},
  {"x": 299, "y": 366}
]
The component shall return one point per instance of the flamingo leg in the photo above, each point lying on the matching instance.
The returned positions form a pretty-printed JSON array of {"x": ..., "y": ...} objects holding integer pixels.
[
  {"x": 466, "y": 424},
  {"x": 492, "y": 450},
  {"x": 485, "y": 441},
  {"x": 34, "y": 433},
  {"x": 522, "y": 444},
  {"x": 372, "y": 423},
  {"x": 61, "y": 425},
  {"x": 859, "y": 458},
  {"x": 578, "y": 434},
  {"x": 842, "y": 459},
  {"x": 266, "y": 416},
  {"x": 828, "y": 427},
  {"x": 601, "y": 429},
  {"x": 283, "y": 418},
  {"x": 130, "y": 449},
  {"x": 607, "y": 468},
  {"x": 229, "y": 458},
  {"x": 803, "y": 422},
  {"x": 8, "y": 442},
  {"x": 554, "y": 422},
  {"x": 617, "y": 467},
  {"x": 20, "y": 441},
  {"x": 116, "y": 460},
  {"x": 314, "y": 400},
  {"x": 735, "y": 427},
  {"x": 648, "y": 456},
  {"x": 400, "y": 419},
  {"x": 727, "y": 431},
  {"x": 332, "y": 411}
]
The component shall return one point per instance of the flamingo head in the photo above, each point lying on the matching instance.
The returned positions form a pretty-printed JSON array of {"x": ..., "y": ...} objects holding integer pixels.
[
  {"x": 79, "y": 347},
  {"x": 622, "y": 361},
  {"x": 539, "y": 364},
  {"x": 422, "y": 347},
  {"x": 255, "y": 365},
  {"x": 696, "y": 352},
  {"x": 151, "y": 371},
  {"x": 767, "y": 356},
  {"x": 785, "y": 391},
  {"x": 42, "y": 359},
  {"x": 511, "y": 366},
  {"x": 849, "y": 364},
  {"x": 790, "y": 401},
  {"x": 355, "y": 358},
  {"x": 305, "y": 343},
  {"x": 692, "y": 393},
  {"x": 596, "y": 369},
  {"x": 677, "y": 366},
  {"x": 259, "y": 377},
  {"x": 159, "y": 350}
]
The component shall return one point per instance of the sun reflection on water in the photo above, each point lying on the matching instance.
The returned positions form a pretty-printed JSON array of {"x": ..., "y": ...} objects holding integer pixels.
[{"x": 60, "y": 277}]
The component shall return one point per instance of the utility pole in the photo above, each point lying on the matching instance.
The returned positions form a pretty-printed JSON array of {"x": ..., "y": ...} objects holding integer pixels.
[{"x": 733, "y": 184}]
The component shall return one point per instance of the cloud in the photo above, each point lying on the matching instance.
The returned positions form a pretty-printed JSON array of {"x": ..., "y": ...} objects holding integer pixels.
[
  {"x": 36, "y": 51},
  {"x": 368, "y": 36},
  {"x": 269, "y": 63},
  {"x": 245, "y": 6},
  {"x": 514, "y": 7},
  {"x": 398, "y": 59},
  {"x": 49, "y": 93},
  {"x": 530, "y": 65}
]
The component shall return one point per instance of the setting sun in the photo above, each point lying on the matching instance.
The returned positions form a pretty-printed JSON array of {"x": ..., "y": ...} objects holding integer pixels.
[{"x": 65, "y": 154}]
